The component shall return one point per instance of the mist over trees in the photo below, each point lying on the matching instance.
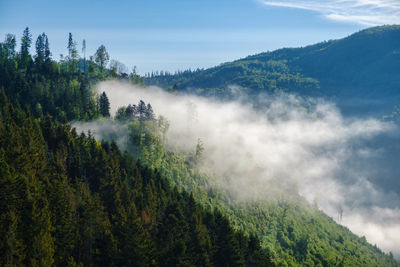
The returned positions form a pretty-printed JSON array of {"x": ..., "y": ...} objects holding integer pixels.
[
  {"x": 76, "y": 201},
  {"x": 104, "y": 105},
  {"x": 286, "y": 223},
  {"x": 141, "y": 112},
  {"x": 357, "y": 69},
  {"x": 68, "y": 199}
]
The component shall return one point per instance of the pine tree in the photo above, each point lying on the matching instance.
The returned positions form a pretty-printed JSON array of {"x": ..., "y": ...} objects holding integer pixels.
[
  {"x": 40, "y": 49},
  {"x": 47, "y": 52},
  {"x": 72, "y": 52},
  {"x": 141, "y": 110},
  {"x": 120, "y": 115},
  {"x": 91, "y": 66},
  {"x": 149, "y": 113},
  {"x": 130, "y": 111},
  {"x": 11, "y": 246},
  {"x": 134, "y": 247},
  {"x": 26, "y": 41},
  {"x": 228, "y": 251},
  {"x": 104, "y": 105}
]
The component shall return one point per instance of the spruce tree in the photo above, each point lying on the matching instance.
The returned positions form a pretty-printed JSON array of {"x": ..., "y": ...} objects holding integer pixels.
[
  {"x": 26, "y": 41},
  {"x": 104, "y": 105},
  {"x": 149, "y": 115},
  {"x": 141, "y": 110},
  {"x": 40, "y": 49},
  {"x": 72, "y": 52},
  {"x": 130, "y": 111},
  {"x": 47, "y": 52}
]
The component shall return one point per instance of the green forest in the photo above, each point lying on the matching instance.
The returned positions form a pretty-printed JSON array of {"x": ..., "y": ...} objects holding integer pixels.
[
  {"x": 346, "y": 69},
  {"x": 68, "y": 199}
]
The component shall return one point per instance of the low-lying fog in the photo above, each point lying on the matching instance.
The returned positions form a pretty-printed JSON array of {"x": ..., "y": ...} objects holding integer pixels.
[{"x": 348, "y": 164}]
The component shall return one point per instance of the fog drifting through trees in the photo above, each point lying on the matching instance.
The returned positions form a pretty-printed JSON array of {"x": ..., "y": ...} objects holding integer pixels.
[{"x": 284, "y": 149}]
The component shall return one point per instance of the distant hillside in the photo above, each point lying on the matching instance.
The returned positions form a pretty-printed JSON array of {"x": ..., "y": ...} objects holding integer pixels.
[{"x": 365, "y": 65}]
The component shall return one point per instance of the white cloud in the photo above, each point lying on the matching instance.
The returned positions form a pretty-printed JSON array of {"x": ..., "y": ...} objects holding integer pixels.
[
  {"x": 282, "y": 149},
  {"x": 365, "y": 12}
]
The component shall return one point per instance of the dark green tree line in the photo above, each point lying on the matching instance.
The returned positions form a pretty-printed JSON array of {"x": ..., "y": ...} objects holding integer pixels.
[{"x": 68, "y": 199}]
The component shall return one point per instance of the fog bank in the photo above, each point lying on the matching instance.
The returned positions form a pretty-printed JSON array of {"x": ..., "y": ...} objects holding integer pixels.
[{"x": 254, "y": 154}]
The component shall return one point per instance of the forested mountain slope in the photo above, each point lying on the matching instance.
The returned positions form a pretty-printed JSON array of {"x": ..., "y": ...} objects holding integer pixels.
[
  {"x": 293, "y": 232},
  {"x": 364, "y": 66},
  {"x": 68, "y": 199}
]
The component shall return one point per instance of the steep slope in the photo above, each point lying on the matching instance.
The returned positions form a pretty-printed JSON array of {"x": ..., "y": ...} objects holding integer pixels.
[
  {"x": 293, "y": 232},
  {"x": 67, "y": 200},
  {"x": 363, "y": 66}
]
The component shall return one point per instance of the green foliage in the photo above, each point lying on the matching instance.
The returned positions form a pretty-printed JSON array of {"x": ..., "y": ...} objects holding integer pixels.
[
  {"x": 68, "y": 200},
  {"x": 291, "y": 231},
  {"x": 102, "y": 57},
  {"x": 72, "y": 51},
  {"x": 350, "y": 68},
  {"x": 141, "y": 112},
  {"x": 10, "y": 43},
  {"x": 26, "y": 42},
  {"x": 104, "y": 105},
  {"x": 44, "y": 86}
]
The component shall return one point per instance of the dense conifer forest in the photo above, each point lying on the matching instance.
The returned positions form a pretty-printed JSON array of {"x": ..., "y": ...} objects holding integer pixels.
[{"x": 67, "y": 199}]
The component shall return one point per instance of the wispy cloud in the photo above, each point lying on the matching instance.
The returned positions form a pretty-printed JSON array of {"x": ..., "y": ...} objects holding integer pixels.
[{"x": 365, "y": 12}]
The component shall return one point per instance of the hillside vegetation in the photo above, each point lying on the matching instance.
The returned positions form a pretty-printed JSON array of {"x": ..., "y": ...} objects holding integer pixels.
[
  {"x": 362, "y": 67},
  {"x": 68, "y": 199},
  {"x": 290, "y": 230}
]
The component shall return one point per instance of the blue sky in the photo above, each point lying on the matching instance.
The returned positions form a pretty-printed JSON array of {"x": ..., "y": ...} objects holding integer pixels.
[{"x": 172, "y": 35}]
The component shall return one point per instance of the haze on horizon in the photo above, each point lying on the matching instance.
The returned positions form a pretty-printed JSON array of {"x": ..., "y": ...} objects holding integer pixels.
[{"x": 178, "y": 35}]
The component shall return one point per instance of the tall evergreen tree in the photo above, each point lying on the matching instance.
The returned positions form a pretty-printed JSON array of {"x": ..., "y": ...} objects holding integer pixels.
[
  {"x": 104, "y": 105},
  {"x": 149, "y": 114},
  {"x": 26, "y": 42},
  {"x": 72, "y": 52},
  {"x": 130, "y": 111},
  {"x": 141, "y": 110},
  {"x": 47, "y": 53},
  {"x": 40, "y": 49}
]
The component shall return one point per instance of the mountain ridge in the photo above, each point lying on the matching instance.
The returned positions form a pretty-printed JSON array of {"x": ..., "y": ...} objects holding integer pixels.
[{"x": 362, "y": 65}]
